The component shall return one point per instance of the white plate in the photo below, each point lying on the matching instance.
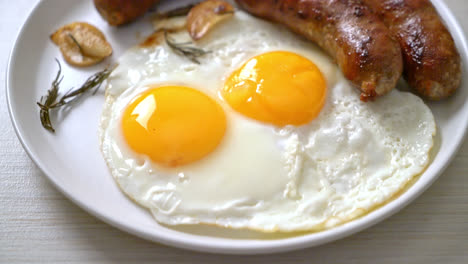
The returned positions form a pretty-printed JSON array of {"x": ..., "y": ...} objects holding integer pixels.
[{"x": 72, "y": 161}]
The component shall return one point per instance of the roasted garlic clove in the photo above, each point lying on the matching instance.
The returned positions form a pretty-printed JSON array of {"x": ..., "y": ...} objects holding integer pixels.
[
  {"x": 204, "y": 16},
  {"x": 170, "y": 23},
  {"x": 81, "y": 44}
]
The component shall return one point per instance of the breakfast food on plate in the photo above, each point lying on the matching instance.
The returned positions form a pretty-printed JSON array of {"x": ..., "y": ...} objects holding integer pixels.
[
  {"x": 81, "y": 44},
  {"x": 206, "y": 15},
  {"x": 359, "y": 41},
  {"x": 119, "y": 12},
  {"x": 252, "y": 126},
  {"x": 264, "y": 132},
  {"x": 431, "y": 60}
]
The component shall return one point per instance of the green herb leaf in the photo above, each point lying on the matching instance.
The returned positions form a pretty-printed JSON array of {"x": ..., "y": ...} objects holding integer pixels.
[
  {"x": 185, "y": 49},
  {"x": 52, "y": 101},
  {"x": 180, "y": 11}
]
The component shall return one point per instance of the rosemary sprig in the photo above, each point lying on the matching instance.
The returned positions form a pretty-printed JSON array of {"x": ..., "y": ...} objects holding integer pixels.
[
  {"x": 52, "y": 100},
  {"x": 185, "y": 48}
]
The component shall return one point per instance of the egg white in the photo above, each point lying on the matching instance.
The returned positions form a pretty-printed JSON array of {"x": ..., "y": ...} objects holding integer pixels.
[{"x": 351, "y": 158}]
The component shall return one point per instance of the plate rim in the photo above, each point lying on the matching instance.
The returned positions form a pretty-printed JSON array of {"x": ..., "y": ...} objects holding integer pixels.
[{"x": 269, "y": 246}]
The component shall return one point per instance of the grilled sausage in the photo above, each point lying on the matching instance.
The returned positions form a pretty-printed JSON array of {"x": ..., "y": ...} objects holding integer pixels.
[
  {"x": 347, "y": 29},
  {"x": 119, "y": 12},
  {"x": 431, "y": 61}
]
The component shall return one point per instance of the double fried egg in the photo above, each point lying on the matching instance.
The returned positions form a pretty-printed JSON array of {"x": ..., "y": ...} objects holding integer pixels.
[{"x": 264, "y": 134}]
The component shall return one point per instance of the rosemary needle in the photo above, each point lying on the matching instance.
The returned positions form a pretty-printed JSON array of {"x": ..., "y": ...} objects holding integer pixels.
[
  {"x": 76, "y": 42},
  {"x": 52, "y": 101},
  {"x": 185, "y": 49},
  {"x": 180, "y": 11}
]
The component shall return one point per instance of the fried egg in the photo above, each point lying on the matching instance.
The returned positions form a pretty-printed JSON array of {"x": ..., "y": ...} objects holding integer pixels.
[{"x": 264, "y": 134}]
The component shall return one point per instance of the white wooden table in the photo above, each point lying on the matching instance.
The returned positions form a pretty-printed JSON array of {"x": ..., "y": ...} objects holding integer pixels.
[{"x": 39, "y": 225}]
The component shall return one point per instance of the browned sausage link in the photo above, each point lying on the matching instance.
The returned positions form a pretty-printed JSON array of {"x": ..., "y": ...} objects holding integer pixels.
[
  {"x": 431, "y": 61},
  {"x": 119, "y": 12},
  {"x": 347, "y": 29}
]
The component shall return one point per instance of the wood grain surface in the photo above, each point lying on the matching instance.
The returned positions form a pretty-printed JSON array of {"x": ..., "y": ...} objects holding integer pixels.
[{"x": 39, "y": 225}]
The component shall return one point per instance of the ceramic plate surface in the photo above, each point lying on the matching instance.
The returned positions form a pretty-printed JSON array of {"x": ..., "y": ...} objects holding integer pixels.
[{"x": 71, "y": 158}]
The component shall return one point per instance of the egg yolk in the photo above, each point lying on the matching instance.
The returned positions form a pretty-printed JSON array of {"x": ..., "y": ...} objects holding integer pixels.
[
  {"x": 281, "y": 88},
  {"x": 173, "y": 125}
]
